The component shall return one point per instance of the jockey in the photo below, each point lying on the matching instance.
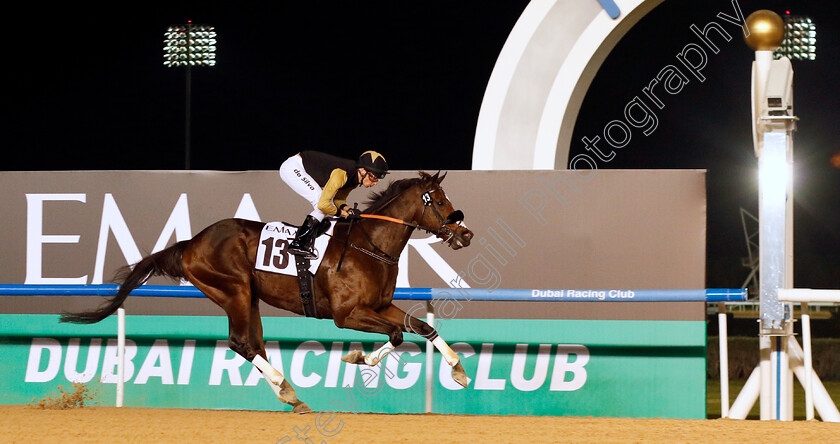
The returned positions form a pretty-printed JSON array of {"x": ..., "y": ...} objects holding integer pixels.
[{"x": 325, "y": 181}]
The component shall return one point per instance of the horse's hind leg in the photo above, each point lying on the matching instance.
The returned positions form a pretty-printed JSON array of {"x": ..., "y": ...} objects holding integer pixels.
[
  {"x": 410, "y": 324},
  {"x": 216, "y": 263},
  {"x": 245, "y": 335},
  {"x": 279, "y": 385}
]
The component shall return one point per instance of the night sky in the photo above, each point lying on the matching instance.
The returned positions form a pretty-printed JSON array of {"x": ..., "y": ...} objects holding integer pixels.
[{"x": 87, "y": 90}]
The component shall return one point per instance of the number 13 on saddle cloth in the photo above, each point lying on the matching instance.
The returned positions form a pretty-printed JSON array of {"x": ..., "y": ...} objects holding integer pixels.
[{"x": 273, "y": 255}]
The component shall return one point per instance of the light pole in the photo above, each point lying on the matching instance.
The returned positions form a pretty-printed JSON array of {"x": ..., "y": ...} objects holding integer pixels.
[
  {"x": 773, "y": 122},
  {"x": 189, "y": 45},
  {"x": 775, "y": 42}
]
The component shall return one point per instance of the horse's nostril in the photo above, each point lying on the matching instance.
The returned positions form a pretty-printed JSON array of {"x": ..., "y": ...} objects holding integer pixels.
[{"x": 468, "y": 235}]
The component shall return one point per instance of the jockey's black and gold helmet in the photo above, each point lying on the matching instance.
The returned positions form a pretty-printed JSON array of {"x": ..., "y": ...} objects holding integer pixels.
[{"x": 373, "y": 163}]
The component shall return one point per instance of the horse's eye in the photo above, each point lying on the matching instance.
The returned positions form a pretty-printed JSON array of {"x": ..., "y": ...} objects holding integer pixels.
[{"x": 440, "y": 202}]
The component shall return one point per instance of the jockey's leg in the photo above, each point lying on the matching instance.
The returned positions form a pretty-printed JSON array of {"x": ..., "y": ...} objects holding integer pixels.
[
  {"x": 305, "y": 238},
  {"x": 295, "y": 176}
]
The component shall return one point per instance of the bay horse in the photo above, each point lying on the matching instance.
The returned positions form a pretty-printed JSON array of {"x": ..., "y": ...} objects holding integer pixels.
[{"x": 354, "y": 284}]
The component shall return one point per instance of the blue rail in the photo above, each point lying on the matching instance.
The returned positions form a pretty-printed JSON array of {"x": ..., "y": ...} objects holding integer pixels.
[
  {"x": 566, "y": 295},
  {"x": 420, "y": 294}
]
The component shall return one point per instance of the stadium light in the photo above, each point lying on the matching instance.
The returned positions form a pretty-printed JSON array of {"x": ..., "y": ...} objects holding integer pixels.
[
  {"x": 800, "y": 41},
  {"x": 189, "y": 46}
]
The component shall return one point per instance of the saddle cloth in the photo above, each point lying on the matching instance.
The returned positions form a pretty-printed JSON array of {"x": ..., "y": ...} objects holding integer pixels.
[{"x": 273, "y": 252}]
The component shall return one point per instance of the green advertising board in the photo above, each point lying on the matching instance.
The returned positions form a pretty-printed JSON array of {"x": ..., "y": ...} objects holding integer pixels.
[{"x": 524, "y": 367}]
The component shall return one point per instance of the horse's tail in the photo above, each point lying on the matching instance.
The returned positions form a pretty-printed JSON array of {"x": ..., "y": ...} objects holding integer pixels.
[{"x": 163, "y": 263}]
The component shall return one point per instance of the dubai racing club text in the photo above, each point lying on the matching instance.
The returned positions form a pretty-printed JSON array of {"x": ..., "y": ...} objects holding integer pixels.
[{"x": 599, "y": 295}]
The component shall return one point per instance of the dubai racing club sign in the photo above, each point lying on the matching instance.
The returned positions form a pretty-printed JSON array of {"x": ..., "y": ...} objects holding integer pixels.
[{"x": 528, "y": 367}]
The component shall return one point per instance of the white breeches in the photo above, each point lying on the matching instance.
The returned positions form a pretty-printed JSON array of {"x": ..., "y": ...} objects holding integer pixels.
[{"x": 292, "y": 172}]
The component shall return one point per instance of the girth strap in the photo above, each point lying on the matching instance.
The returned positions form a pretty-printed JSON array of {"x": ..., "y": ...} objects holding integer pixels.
[{"x": 305, "y": 285}]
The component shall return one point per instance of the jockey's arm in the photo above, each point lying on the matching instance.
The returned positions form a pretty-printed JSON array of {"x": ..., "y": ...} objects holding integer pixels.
[
  {"x": 340, "y": 200},
  {"x": 331, "y": 197}
]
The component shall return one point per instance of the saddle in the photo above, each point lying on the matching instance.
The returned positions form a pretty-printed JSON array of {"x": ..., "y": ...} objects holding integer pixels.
[{"x": 273, "y": 257}]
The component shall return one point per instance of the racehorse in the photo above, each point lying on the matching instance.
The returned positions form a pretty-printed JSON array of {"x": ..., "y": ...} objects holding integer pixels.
[{"x": 354, "y": 284}]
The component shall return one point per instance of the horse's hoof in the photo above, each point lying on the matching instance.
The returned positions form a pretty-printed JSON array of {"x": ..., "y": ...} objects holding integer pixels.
[
  {"x": 302, "y": 408},
  {"x": 354, "y": 357},
  {"x": 459, "y": 375},
  {"x": 287, "y": 394}
]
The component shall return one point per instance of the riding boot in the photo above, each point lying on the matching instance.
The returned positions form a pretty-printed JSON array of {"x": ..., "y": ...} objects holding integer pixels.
[{"x": 302, "y": 243}]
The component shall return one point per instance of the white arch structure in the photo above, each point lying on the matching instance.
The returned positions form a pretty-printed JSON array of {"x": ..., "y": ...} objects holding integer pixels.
[{"x": 541, "y": 78}]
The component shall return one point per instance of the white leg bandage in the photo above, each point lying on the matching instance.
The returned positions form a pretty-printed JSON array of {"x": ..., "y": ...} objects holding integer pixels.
[
  {"x": 270, "y": 373},
  {"x": 450, "y": 356},
  {"x": 380, "y": 354}
]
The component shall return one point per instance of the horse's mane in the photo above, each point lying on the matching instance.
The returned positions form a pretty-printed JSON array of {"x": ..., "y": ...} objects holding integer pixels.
[{"x": 377, "y": 200}]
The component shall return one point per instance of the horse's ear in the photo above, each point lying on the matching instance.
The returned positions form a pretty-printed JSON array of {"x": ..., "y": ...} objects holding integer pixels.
[{"x": 438, "y": 180}]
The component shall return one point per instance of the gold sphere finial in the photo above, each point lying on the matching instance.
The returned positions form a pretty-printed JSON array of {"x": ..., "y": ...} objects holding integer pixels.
[{"x": 767, "y": 30}]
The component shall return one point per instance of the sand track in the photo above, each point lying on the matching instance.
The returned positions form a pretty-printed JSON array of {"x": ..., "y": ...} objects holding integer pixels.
[{"x": 19, "y": 424}]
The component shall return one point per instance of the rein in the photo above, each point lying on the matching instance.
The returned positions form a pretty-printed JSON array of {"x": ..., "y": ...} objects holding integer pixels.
[
  {"x": 383, "y": 256},
  {"x": 441, "y": 231},
  {"x": 396, "y": 221},
  {"x": 388, "y": 218}
]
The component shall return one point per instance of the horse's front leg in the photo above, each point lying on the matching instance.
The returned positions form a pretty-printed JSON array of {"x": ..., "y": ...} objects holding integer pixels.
[
  {"x": 365, "y": 319},
  {"x": 372, "y": 359},
  {"x": 410, "y": 324},
  {"x": 458, "y": 373}
]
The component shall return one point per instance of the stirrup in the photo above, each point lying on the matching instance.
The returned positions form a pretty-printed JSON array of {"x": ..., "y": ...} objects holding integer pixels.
[{"x": 306, "y": 253}]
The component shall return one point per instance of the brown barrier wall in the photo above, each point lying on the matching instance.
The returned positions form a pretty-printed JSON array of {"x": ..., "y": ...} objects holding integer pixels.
[{"x": 533, "y": 229}]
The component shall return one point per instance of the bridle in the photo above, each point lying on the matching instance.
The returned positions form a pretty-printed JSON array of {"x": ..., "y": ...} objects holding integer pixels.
[
  {"x": 455, "y": 217},
  {"x": 443, "y": 232}
]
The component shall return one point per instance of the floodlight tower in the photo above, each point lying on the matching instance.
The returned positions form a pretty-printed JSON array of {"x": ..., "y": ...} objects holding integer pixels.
[
  {"x": 187, "y": 46},
  {"x": 800, "y": 41},
  {"x": 773, "y": 125}
]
